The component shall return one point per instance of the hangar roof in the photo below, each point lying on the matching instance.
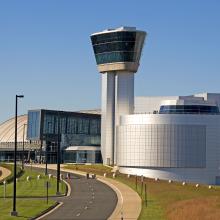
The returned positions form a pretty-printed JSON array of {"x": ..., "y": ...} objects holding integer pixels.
[{"x": 7, "y": 129}]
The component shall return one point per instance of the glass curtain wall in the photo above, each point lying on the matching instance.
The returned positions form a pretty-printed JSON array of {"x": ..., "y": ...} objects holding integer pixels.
[
  {"x": 188, "y": 109},
  {"x": 70, "y": 124},
  {"x": 114, "y": 47},
  {"x": 76, "y": 129}
]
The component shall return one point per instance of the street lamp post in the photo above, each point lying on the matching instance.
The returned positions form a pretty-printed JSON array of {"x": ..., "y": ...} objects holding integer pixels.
[
  {"x": 58, "y": 155},
  {"x": 41, "y": 145},
  {"x": 47, "y": 146},
  {"x": 46, "y": 157},
  {"x": 14, "y": 212},
  {"x": 24, "y": 125}
]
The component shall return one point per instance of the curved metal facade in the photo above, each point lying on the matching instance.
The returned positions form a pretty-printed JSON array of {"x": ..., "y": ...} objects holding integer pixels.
[
  {"x": 178, "y": 147},
  {"x": 181, "y": 146}
]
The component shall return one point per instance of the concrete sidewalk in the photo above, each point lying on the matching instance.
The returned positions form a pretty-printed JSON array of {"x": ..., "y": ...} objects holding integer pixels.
[
  {"x": 129, "y": 202},
  {"x": 5, "y": 173}
]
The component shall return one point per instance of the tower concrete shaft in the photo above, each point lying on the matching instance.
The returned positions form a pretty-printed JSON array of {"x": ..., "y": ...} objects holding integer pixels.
[
  {"x": 124, "y": 101},
  {"x": 108, "y": 117},
  {"x": 117, "y": 53},
  {"x": 117, "y": 100}
]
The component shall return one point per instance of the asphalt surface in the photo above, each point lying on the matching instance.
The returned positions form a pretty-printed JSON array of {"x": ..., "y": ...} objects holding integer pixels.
[{"x": 89, "y": 200}]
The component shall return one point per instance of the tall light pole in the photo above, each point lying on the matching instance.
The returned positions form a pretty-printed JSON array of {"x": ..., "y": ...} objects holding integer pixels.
[
  {"x": 14, "y": 212},
  {"x": 58, "y": 155},
  {"x": 24, "y": 125},
  {"x": 46, "y": 149},
  {"x": 46, "y": 156}
]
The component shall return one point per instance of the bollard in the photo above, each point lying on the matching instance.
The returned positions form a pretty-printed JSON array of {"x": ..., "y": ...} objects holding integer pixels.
[
  {"x": 104, "y": 175},
  {"x": 67, "y": 176},
  {"x": 50, "y": 176},
  {"x": 4, "y": 188},
  {"x": 128, "y": 176},
  {"x": 38, "y": 177},
  {"x": 113, "y": 175}
]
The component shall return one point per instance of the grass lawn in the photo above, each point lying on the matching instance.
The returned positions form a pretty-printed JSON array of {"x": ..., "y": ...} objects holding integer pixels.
[
  {"x": 168, "y": 200},
  {"x": 34, "y": 187},
  {"x": 28, "y": 207},
  {"x": 96, "y": 168}
]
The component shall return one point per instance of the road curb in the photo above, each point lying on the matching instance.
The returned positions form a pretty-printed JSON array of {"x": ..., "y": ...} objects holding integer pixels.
[
  {"x": 129, "y": 202},
  {"x": 119, "y": 207},
  {"x": 47, "y": 211},
  {"x": 55, "y": 206},
  {"x": 122, "y": 210},
  {"x": 68, "y": 188},
  {"x": 50, "y": 209}
]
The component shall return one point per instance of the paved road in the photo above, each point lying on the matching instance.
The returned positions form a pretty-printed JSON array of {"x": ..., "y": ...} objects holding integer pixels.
[{"x": 89, "y": 200}]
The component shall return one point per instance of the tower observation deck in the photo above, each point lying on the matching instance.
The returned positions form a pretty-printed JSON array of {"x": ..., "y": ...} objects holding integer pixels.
[{"x": 117, "y": 53}]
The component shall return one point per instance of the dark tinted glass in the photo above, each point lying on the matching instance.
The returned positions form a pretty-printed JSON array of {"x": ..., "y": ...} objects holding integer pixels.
[
  {"x": 70, "y": 124},
  {"x": 116, "y": 46},
  {"x": 188, "y": 109},
  {"x": 115, "y": 57},
  {"x": 33, "y": 131},
  {"x": 114, "y": 36}
]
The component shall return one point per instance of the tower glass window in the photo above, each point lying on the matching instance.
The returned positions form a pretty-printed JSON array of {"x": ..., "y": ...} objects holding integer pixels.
[{"x": 114, "y": 47}]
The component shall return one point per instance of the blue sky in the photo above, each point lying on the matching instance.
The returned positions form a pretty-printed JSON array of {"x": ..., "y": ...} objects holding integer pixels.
[{"x": 45, "y": 50}]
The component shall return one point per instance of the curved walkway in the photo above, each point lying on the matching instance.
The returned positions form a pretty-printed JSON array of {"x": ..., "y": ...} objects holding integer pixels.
[
  {"x": 88, "y": 199},
  {"x": 129, "y": 203},
  {"x": 129, "y": 206},
  {"x": 5, "y": 173}
]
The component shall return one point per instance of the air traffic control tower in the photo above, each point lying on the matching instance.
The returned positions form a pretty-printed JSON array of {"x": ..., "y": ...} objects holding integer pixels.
[{"x": 117, "y": 53}]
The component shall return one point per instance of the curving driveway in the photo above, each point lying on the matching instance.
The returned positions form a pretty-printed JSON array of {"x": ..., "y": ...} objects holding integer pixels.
[{"x": 89, "y": 199}]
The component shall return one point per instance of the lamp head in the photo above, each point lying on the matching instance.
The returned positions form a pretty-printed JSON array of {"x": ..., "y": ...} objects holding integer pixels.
[{"x": 19, "y": 96}]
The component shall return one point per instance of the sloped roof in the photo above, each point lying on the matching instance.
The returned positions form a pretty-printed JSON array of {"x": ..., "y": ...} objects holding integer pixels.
[{"x": 7, "y": 129}]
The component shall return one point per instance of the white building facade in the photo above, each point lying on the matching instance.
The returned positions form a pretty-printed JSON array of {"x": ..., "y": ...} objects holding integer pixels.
[
  {"x": 174, "y": 137},
  {"x": 176, "y": 145}
]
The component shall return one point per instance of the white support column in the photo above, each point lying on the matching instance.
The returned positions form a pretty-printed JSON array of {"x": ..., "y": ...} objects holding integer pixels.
[
  {"x": 124, "y": 100},
  {"x": 108, "y": 117}
]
